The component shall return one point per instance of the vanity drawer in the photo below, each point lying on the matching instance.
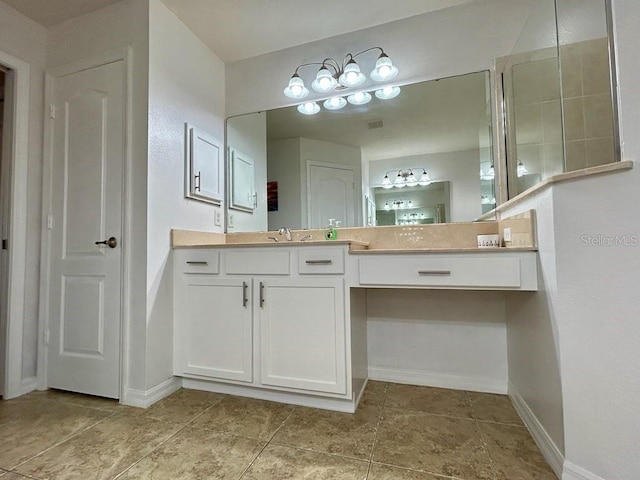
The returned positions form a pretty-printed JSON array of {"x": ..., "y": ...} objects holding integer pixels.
[
  {"x": 441, "y": 271},
  {"x": 321, "y": 261},
  {"x": 195, "y": 260},
  {"x": 253, "y": 261}
]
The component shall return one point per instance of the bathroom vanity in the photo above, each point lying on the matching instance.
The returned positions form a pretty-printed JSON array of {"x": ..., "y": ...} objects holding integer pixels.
[{"x": 286, "y": 321}]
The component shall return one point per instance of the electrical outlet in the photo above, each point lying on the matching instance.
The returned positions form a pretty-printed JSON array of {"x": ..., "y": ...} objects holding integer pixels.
[
  {"x": 506, "y": 234},
  {"x": 217, "y": 218},
  {"x": 230, "y": 224}
]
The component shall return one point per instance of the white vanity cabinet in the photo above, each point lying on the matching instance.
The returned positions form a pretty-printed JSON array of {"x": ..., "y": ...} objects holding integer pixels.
[{"x": 271, "y": 319}]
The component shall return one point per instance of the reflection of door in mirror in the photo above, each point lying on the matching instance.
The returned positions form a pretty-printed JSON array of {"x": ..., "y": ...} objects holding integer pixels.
[
  {"x": 242, "y": 182},
  {"x": 331, "y": 195}
]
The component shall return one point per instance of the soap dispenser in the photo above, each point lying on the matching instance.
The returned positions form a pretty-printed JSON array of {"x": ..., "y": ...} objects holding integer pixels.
[{"x": 330, "y": 232}]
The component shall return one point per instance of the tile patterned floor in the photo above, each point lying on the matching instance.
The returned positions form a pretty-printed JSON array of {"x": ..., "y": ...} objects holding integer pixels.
[{"x": 399, "y": 432}]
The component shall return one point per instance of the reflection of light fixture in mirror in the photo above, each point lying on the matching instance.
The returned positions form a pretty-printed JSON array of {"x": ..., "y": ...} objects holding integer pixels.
[
  {"x": 489, "y": 174},
  {"x": 388, "y": 93},
  {"x": 521, "y": 170},
  {"x": 406, "y": 178},
  {"x": 387, "y": 206},
  {"x": 359, "y": 98},
  {"x": 334, "y": 103},
  {"x": 339, "y": 75},
  {"x": 485, "y": 200},
  {"x": 309, "y": 108}
]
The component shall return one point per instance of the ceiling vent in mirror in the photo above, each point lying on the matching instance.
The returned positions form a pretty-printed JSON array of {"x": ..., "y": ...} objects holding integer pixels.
[{"x": 375, "y": 124}]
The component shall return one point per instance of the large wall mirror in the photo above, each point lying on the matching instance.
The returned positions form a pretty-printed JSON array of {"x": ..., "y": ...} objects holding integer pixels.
[
  {"x": 332, "y": 165},
  {"x": 560, "y": 105}
]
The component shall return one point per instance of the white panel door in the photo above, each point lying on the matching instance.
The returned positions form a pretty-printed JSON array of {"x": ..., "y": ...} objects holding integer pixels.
[
  {"x": 331, "y": 195},
  {"x": 302, "y": 334},
  {"x": 88, "y": 148},
  {"x": 214, "y": 328}
]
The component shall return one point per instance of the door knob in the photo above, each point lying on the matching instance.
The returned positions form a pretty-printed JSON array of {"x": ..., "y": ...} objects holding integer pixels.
[{"x": 111, "y": 242}]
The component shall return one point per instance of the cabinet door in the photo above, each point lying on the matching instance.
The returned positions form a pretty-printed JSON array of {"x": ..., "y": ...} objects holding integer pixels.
[
  {"x": 302, "y": 334},
  {"x": 213, "y": 328}
]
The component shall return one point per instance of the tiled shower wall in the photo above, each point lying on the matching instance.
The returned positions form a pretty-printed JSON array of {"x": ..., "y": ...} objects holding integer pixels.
[{"x": 587, "y": 102}]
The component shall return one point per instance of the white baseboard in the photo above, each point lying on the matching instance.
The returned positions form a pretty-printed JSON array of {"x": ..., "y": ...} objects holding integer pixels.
[
  {"x": 146, "y": 398},
  {"x": 28, "y": 385},
  {"x": 574, "y": 472},
  {"x": 549, "y": 449},
  {"x": 325, "y": 403},
  {"x": 429, "y": 379}
]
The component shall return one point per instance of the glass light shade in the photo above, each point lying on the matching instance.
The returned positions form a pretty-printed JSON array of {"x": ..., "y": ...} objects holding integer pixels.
[
  {"x": 412, "y": 181},
  {"x": 352, "y": 76},
  {"x": 309, "y": 108},
  {"x": 386, "y": 206},
  {"x": 409, "y": 204},
  {"x": 384, "y": 70},
  {"x": 490, "y": 175},
  {"x": 324, "y": 81},
  {"x": 399, "y": 182},
  {"x": 425, "y": 179},
  {"x": 521, "y": 170},
  {"x": 334, "y": 103},
  {"x": 359, "y": 98},
  {"x": 386, "y": 182},
  {"x": 388, "y": 93},
  {"x": 296, "y": 88}
]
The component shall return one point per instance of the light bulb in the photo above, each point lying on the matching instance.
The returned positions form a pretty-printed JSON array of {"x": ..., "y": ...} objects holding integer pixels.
[
  {"x": 386, "y": 206},
  {"x": 386, "y": 182},
  {"x": 324, "y": 81},
  {"x": 425, "y": 179},
  {"x": 399, "y": 181},
  {"x": 334, "y": 103},
  {"x": 352, "y": 76},
  {"x": 384, "y": 70},
  {"x": 388, "y": 93},
  {"x": 359, "y": 98},
  {"x": 296, "y": 88},
  {"x": 309, "y": 108},
  {"x": 412, "y": 181}
]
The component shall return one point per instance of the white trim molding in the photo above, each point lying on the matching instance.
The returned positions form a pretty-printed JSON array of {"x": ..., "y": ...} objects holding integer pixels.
[
  {"x": 146, "y": 398},
  {"x": 28, "y": 385},
  {"x": 17, "y": 225},
  {"x": 574, "y": 472},
  {"x": 438, "y": 380},
  {"x": 549, "y": 449}
]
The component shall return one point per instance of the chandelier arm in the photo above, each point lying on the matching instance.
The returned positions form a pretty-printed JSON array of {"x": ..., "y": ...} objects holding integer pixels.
[
  {"x": 306, "y": 65},
  {"x": 367, "y": 50},
  {"x": 330, "y": 62}
]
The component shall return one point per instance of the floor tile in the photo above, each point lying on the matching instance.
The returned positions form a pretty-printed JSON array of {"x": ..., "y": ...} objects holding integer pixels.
[
  {"x": 386, "y": 472},
  {"x": 514, "y": 453},
  {"x": 374, "y": 393},
  {"x": 278, "y": 462},
  {"x": 196, "y": 454},
  {"x": 347, "y": 434},
  {"x": 181, "y": 406},
  {"x": 12, "y": 476},
  {"x": 493, "y": 408},
  {"x": 30, "y": 427},
  {"x": 432, "y": 443},
  {"x": 81, "y": 400},
  {"x": 102, "y": 451},
  {"x": 439, "y": 401},
  {"x": 245, "y": 417}
]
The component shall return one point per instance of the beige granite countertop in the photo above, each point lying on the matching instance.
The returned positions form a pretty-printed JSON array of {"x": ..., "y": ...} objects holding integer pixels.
[
  {"x": 382, "y": 251},
  {"x": 354, "y": 245}
]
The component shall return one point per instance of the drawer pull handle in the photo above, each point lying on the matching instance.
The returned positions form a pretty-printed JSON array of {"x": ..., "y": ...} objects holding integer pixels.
[
  {"x": 319, "y": 262},
  {"x": 245, "y": 299},
  {"x": 197, "y": 263},
  {"x": 434, "y": 273}
]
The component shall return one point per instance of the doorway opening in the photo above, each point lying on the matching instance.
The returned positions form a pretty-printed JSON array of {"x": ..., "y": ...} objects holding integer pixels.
[{"x": 5, "y": 140}]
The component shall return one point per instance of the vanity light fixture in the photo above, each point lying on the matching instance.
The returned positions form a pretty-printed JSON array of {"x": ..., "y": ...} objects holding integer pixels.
[
  {"x": 406, "y": 178},
  {"x": 489, "y": 174},
  {"x": 334, "y": 75},
  {"x": 521, "y": 170}
]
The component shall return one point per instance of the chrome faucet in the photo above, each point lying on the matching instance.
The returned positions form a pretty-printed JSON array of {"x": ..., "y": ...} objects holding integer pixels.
[{"x": 286, "y": 232}]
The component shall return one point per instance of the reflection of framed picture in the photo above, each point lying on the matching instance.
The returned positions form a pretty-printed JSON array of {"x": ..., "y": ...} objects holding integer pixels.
[{"x": 272, "y": 196}]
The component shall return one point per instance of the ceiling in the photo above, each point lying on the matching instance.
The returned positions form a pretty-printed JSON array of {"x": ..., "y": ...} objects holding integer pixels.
[{"x": 239, "y": 29}]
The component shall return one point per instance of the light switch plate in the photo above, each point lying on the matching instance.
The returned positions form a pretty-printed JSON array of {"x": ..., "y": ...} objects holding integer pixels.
[
  {"x": 217, "y": 218},
  {"x": 507, "y": 234}
]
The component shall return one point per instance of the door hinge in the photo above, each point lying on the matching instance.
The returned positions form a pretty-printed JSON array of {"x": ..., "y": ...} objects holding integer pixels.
[
  {"x": 46, "y": 337},
  {"x": 52, "y": 111},
  {"x": 5, "y": 244},
  {"x": 49, "y": 222}
]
